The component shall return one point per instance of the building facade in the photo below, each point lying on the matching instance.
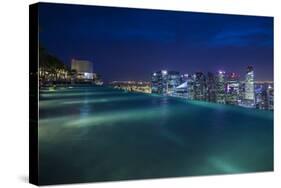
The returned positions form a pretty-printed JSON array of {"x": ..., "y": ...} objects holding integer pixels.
[
  {"x": 249, "y": 95},
  {"x": 220, "y": 87},
  {"x": 232, "y": 89},
  {"x": 211, "y": 87},
  {"x": 270, "y": 97},
  {"x": 165, "y": 82},
  {"x": 190, "y": 87},
  {"x": 159, "y": 82},
  {"x": 200, "y": 89},
  {"x": 83, "y": 69},
  {"x": 173, "y": 81}
]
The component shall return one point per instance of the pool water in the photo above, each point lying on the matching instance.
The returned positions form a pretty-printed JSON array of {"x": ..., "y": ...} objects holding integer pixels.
[{"x": 89, "y": 134}]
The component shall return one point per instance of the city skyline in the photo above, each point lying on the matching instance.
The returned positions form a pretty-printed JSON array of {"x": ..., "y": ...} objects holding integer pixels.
[{"x": 130, "y": 44}]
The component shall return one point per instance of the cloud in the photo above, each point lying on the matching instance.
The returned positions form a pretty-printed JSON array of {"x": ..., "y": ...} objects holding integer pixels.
[{"x": 260, "y": 37}]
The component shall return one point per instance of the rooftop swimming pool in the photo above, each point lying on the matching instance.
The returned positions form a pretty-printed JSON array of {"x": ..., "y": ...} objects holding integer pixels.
[{"x": 102, "y": 134}]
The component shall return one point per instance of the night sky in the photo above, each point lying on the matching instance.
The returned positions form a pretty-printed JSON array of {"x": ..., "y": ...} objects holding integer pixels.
[{"x": 130, "y": 44}]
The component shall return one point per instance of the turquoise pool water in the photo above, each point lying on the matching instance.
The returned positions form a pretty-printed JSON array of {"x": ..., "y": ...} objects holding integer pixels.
[{"x": 102, "y": 134}]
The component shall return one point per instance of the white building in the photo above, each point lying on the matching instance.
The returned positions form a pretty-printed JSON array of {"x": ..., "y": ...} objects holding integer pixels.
[{"x": 83, "y": 68}]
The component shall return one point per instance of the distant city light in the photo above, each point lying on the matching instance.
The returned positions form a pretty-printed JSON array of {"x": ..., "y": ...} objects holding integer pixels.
[
  {"x": 164, "y": 72},
  {"x": 215, "y": 88},
  {"x": 221, "y": 72}
]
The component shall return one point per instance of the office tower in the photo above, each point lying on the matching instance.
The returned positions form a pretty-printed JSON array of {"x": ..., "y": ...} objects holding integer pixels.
[
  {"x": 270, "y": 97},
  {"x": 232, "y": 89},
  {"x": 261, "y": 98},
  {"x": 181, "y": 90},
  {"x": 190, "y": 87},
  {"x": 211, "y": 87},
  {"x": 199, "y": 86},
  {"x": 241, "y": 93},
  {"x": 249, "y": 99},
  {"x": 159, "y": 82},
  {"x": 165, "y": 82},
  {"x": 173, "y": 80},
  {"x": 220, "y": 87}
]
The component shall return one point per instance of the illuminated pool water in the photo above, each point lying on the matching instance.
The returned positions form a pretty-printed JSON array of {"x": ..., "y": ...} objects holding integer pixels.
[{"x": 102, "y": 134}]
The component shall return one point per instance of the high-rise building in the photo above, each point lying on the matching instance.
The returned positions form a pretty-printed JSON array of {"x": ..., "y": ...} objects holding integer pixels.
[
  {"x": 211, "y": 87},
  {"x": 174, "y": 80},
  {"x": 184, "y": 77},
  {"x": 241, "y": 95},
  {"x": 190, "y": 87},
  {"x": 261, "y": 98},
  {"x": 220, "y": 87},
  {"x": 181, "y": 90},
  {"x": 159, "y": 82},
  {"x": 270, "y": 97},
  {"x": 249, "y": 98},
  {"x": 84, "y": 70},
  {"x": 199, "y": 86},
  {"x": 165, "y": 82},
  {"x": 232, "y": 89}
]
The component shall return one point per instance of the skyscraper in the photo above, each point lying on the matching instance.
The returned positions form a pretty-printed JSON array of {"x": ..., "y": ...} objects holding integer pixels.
[
  {"x": 173, "y": 80},
  {"x": 211, "y": 87},
  {"x": 249, "y": 99},
  {"x": 270, "y": 96},
  {"x": 159, "y": 82},
  {"x": 261, "y": 98},
  {"x": 232, "y": 89},
  {"x": 199, "y": 86},
  {"x": 220, "y": 87},
  {"x": 165, "y": 82},
  {"x": 190, "y": 87}
]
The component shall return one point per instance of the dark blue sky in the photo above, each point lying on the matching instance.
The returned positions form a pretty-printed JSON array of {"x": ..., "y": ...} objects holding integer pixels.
[{"x": 130, "y": 44}]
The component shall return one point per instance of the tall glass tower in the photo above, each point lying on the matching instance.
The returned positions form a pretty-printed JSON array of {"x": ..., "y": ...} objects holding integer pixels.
[
  {"x": 199, "y": 86},
  {"x": 159, "y": 82},
  {"x": 232, "y": 89},
  {"x": 165, "y": 82},
  {"x": 249, "y": 87},
  {"x": 220, "y": 87}
]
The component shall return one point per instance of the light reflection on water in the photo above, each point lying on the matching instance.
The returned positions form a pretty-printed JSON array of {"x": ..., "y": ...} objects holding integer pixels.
[{"x": 101, "y": 134}]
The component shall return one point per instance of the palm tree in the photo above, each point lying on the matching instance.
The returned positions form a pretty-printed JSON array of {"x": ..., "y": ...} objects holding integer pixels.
[{"x": 51, "y": 68}]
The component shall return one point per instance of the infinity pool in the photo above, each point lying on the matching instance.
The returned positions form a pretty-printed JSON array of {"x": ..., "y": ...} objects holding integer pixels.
[{"x": 102, "y": 134}]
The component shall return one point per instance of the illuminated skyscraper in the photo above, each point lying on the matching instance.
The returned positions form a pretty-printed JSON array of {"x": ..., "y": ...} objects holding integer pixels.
[
  {"x": 270, "y": 97},
  {"x": 181, "y": 90},
  {"x": 261, "y": 98},
  {"x": 220, "y": 87},
  {"x": 211, "y": 87},
  {"x": 249, "y": 99},
  {"x": 190, "y": 87},
  {"x": 232, "y": 89},
  {"x": 174, "y": 80},
  {"x": 159, "y": 82},
  {"x": 199, "y": 86},
  {"x": 165, "y": 82}
]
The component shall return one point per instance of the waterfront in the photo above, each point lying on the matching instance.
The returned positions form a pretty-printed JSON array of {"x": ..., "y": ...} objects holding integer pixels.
[{"x": 103, "y": 134}]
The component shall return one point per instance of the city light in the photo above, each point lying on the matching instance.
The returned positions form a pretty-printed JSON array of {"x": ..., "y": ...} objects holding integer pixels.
[
  {"x": 219, "y": 88},
  {"x": 221, "y": 72}
]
